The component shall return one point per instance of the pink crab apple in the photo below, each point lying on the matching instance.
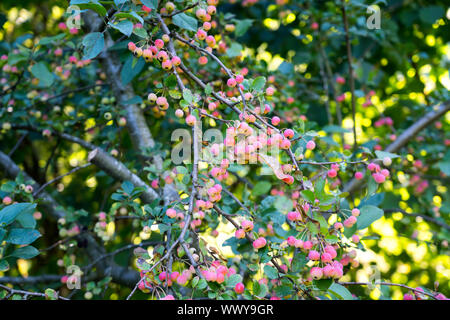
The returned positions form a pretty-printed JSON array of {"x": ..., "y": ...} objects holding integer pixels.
[
  {"x": 171, "y": 213},
  {"x": 231, "y": 82},
  {"x": 247, "y": 225},
  {"x": 350, "y": 221},
  {"x": 310, "y": 145},
  {"x": 316, "y": 273},
  {"x": 332, "y": 173},
  {"x": 7, "y": 201},
  {"x": 270, "y": 91},
  {"x": 190, "y": 120},
  {"x": 340, "y": 80},
  {"x": 275, "y": 120},
  {"x": 239, "y": 234},
  {"x": 259, "y": 243},
  {"x": 239, "y": 288},
  {"x": 359, "y": 175},
  {"x": 355, "y": 212},
  {"x": 168, "y": 297},
  {"x": 288, "y": 133},
  {"x": 313, "y": 255}
]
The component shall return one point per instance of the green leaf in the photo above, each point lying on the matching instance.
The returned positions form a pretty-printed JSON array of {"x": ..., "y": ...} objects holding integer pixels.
[
  {"x": 187, "y": 95},
  {"x": 383, "y": 154},
  {"x": 234, "y": 50},
  {"x": 51, "y": 40},
  {"x": 261, "y": 188},
  {"x": 202, "y": 284},
  {"x": 340, "y": 291},
  {"x": 40, "y": 71},
  {"x": 258, "y": 83},
  {"x": 283, "y": 204},
  {"x": 444, "y": 166},
  {"x": 140, "y": 32},
  {"x": 93, "y": 44},
  {"x": 51, "y": 294},
  {"x": 368, "y": 215},
  {"x": 184, "y": 21},
  {"x": 259, "y": 289},
  {"x": 271, "y": 272},
  {"x": 2, "y": 234},
  {"x": 431, "y": 14},
  {"x": 242, "y": 27},
  {"x": 87, "y": 4},
  {"x": 323, "y": 284},
  {"x": 152, "y": 4},
  {"x": 129, "y": 72},
  {"x": 233, "y": 280},
  {"x": 129, "y": 15},
  {"x": 308, "y": 195},
  {"x": 4, "y": 265},
  {"x": 22, "y": 236},
  {"x": 9, "y": 213},
  {"x": 27, "y": 252},
  {"x": 125, "y": 26}
]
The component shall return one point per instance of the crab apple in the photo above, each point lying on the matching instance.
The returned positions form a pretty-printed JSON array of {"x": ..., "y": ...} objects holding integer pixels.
[
  {"x": 340, "y": 80},
  {"x": 331, "y": 251},
  {"x": 270, "y": 91},
  {"x": 239, "y": 288},
  {"x": 160, "y": 101},
  {"x": 211, "y": 10},
  {"x": 162, "y": 56},
  {"x": 247, "y": 225},
  {"x": 170, "y": 6},
  {"x": 359, "y": 175},
  {"x": 159, "y": 43},
  {"x": 307, "y": 245},
  {"x": 176, "y": 61},
  {"x": 201, "y": 34},
  {"x": 179, "y": 113},
  {"x": 275, "y": 121},
  {"x": 316, "y": 273},
  {"x": 7, "y": 201},
  {"x": 355, "y": 238},
  {"x": 293, "y": 215},
  {"x": 408, "y": 296},
  {"x": 146, "y": 9},
  {"x": 259, "y": 243},
  {"x": 138, "y": 52},
  {"x": 378, "y": 177},
  {"x": 338, "y": 225},
  {"x": 131, "y": 46},
  {"x": 285, "y": 144},
  {"x": 202, "y": 60},
  {"x": 313, "y": 255},
  {"x": 310, "y": 145},
  {"x": 239, "y": 78},
  {"x": 231, "y": 82},
  {"x": 230, "y": 27},
  {"x": 167, "y": 65},
  {"x": 288, "y": 179},
  {"x": 326, "y": 257},
  {"x": 240, "y": 234},
  {"x": 387, "y": 161},
  {"x": 372, "y": 166},
  {"x": 288, "y": 133},
  {"x": 331, "y": 173},
  {"x": 210, "y": 41},
  {"x": 291, "y": 241},
  {"x": 171, "y": 213},
  {"x": 152, "y": 97},
  {"x": 206, "y": 26},
  {"x": 314, "y": 26},
  {"x": 355, "y": 212},
  {"x": 385, "y": 172},
  {"x": 350, "y": 221},
  {"x": 190, "y": 120}
]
